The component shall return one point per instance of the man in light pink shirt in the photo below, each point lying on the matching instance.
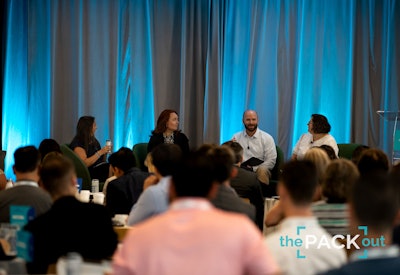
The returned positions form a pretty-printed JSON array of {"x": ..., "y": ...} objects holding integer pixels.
[{"x": 193, "y": 237}]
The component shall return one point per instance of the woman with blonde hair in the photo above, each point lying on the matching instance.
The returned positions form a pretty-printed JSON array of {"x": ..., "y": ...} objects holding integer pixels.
[
  {"x": 321, "y": 161},
  {"x": 332, "y": 213}
]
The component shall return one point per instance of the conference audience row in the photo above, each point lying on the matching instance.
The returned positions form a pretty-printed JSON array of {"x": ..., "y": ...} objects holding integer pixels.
[{"x": 188, "y": 212}]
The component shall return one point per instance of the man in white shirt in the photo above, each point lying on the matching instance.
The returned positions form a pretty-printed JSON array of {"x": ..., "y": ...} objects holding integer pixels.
[
  {"x": 299, "y": 244},
  {"x": 154, "y": 199},
  {"x": 258, "y": 146}
]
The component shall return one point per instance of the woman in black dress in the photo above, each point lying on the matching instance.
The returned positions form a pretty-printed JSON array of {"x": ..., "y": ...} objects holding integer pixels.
[
  {"x": 167, "y": 131},
  {"x": 88, "y": 148}
]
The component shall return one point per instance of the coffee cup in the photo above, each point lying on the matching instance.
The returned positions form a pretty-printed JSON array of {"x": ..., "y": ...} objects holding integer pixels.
[
  {"x": 84, "y": 195},
  {"x": 98, "y": 198}
]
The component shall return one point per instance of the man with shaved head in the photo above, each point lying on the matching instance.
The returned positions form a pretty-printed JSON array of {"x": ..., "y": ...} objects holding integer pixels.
[{"x": 259, "y": 147}]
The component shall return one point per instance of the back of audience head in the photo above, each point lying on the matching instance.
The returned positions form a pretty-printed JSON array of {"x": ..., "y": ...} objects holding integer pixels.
[
  {"x": 339, "y": 178},
  {"x": 299, "y": 178},
  {"x": 320, "y": 159},
  {"x": 395, "y": 177},
  {"x": 166, "y": 158},
  {"x": 26, "y": 159},
  {"x": 374, "y": 202},
  {"x": 372, "y": 160},
  {"x": 329, "y": 151},
  {"x": 57, "y": 175},
  {"x": 48, "y": 145},
  {"x": 223, "y": 160},
  {"x": 355, "y": 156},
  {"x": 237, "y": 150},
  {"x": 194, "y": 178},
  {"x": 123, "y": 159}
]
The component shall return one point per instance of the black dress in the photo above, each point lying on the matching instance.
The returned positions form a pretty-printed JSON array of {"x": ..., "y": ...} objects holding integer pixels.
[
  {"x": 98, "y": 170},
  {"x": 180, "y": 139}
]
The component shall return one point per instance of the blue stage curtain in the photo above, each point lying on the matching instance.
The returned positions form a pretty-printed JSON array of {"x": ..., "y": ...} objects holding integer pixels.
[{"x": 124, "y": 61}]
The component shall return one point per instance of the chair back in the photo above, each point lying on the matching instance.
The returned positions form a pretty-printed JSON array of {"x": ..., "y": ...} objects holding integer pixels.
[
  {"x": 140, "y": 153},
  {"x": 270, "y": 189},
  {"x": 346, "y": 149},
  {"x": 2, "y": 157},
  {"x": 278, "y": 164},
  {"x": 80, "y": 167}
]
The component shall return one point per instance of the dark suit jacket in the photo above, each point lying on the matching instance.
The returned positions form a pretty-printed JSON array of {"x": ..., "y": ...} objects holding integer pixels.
[
  {"x": 123, "y": 192},
  {"x": 247, "y": 185},
  {"x": 180, "y": 139},
  {"x": 71, "y": 226},
  {"x": 369, "y": 266},
  {"x": 228, "y": 200}
]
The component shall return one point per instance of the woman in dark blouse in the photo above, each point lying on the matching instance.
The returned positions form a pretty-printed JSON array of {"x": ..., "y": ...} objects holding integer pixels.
[
  {"x": 88, "y": 148},
  {"x": 167, "y": 131}
]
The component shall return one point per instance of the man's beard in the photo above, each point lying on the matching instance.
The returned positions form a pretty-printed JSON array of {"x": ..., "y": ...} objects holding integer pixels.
[{"x": 254, "y": 127}]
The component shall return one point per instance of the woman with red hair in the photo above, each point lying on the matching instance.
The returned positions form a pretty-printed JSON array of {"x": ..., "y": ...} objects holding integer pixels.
[{"x": 167, "y": 131}]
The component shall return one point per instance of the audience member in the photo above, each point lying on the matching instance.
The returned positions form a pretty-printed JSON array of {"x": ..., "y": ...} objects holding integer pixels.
[
  {"x": 246, "y": 183},
  {"x": 372, "y": 160},
  {"x": 88, "y": 148},
  {"x": 48, "y": 145},
  {"x": 70, "y": 225},
  {"x": 355, "y": 156},
  {"x": 193, "y": 237},
  {"x": 167, "y": 131},
  {"x": 123, "y": 192},
  {"x": 259, "y": 147},
  {"x": 154, "y": 200},
  {"x": 318, "y": 134},
  {"x": 374, "y": 204},
  {"x": 332, "y": 212},
  {"x": 395, "y": 177},
  {"x": 226, "y": 197},
  {"x": 26, "y": 190},
  {"x": 296, "y": 189},
  {"x": 329, "y": 151},
  {"x": 3, "y": 180},
  {"x": 321, "y": 161}
]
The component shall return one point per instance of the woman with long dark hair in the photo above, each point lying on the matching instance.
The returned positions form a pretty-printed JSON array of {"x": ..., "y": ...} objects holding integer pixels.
[
  {"x": 88, "y": 148},
  {"x": 167, "y": 131}
]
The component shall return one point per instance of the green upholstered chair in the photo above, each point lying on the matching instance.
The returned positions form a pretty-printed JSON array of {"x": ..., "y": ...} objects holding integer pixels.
[
  {"x": 2, "y": 157},
  {"x": 140, "y": 152},
  {"x": 80, "y": 167},
  {"x": 270, "y": 190},
  {"x": 346, "y": 149}
]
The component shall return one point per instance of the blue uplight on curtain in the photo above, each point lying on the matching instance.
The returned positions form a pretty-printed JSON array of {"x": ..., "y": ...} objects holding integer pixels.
[
  {"x": 325, "y": 66},
  {"x": 26, "y": 96},
  {"x": 124, "y": 61}
]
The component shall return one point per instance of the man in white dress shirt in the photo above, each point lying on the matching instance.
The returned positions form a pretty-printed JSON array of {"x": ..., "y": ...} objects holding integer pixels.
[
  {"x": 256, "y": 144},
  {"x": 298, "y": 245}
]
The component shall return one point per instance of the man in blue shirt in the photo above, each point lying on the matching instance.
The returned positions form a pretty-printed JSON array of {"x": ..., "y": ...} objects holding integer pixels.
[{"x": 154, "y": 200}]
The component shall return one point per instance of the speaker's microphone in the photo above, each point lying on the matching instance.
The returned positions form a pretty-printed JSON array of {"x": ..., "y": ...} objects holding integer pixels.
[
  {"x": 248, "y": 147},
  {"x": 311, "y": 142}
]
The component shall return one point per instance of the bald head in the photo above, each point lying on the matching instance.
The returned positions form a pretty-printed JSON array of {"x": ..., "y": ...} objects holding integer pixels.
[
  {"x": 251, "y": 113},
  {"x": 250, "y": 121}
]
